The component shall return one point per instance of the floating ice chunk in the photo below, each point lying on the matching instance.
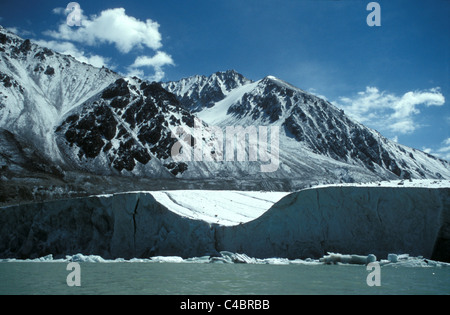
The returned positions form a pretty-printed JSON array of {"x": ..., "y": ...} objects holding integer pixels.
[
  {"x": 371, "y": 259},
  {"x": 44, "y": 259},
  {"x": 220, "y": 260},
  {"x": 198, "y": 260},
  {"x": 393, "y": 258},
  {"x": 83, "y": 258},
  {"x": 243, "y": 259},
  {"x": 307, "y": 261},
  {"x": 333, "y": 258},
  {"x": 277, "y": 261},
  {"x": 167, "y": 259},
  {"x": 139, "y": 260}
]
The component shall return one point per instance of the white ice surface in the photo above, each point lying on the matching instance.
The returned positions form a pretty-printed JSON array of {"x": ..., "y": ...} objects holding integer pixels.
[
  {"x": 221, "y": 207},
  {"x": 418, "y": 183}
]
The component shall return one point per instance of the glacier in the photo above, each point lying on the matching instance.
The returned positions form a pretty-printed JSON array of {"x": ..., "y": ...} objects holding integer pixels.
[{"x": 382, "y": 219}]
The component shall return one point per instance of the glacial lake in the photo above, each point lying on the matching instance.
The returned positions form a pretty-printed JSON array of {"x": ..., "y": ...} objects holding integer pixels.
[{"x": 49, "y": 278}]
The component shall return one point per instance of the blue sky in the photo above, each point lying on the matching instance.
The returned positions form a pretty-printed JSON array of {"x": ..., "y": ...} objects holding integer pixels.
[{"x": 393, "y": 78}]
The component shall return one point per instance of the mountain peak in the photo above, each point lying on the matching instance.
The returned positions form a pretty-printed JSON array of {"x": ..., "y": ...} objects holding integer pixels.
[
  {"x": 315, "y": 126},
  {"x": 274, "y": 81},
  {"x": 228, "y": 72},
  {"x": 199, "y": 92},
  {"x": 91, "y": 119}
]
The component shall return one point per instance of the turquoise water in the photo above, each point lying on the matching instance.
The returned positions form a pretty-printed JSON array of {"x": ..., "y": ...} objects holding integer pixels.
[{"x": 218, "y": 279}]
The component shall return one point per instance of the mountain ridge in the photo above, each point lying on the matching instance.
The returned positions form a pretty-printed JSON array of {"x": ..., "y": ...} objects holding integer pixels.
[
  {"x": 79, "y": 119},
  {"x": 320, "y": 126}
]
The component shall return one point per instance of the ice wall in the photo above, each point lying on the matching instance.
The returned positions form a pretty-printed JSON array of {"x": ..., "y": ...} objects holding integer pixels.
[
  {"x": 113, "y": 226},
  {"x": 350, "y": 220},
  {"x": 305, "y": 224}
]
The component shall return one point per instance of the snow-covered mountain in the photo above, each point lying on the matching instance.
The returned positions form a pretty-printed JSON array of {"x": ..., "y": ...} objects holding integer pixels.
[
  {"x": 317, "y": 139},
  {"x": 199, "y": 92},
  {"x": 39, "y": 86},
  {"x": 126, "y": 129},
  {"x": 60, "y": 116}
]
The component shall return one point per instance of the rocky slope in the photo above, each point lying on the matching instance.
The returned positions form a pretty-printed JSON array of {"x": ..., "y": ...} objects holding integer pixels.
[
  {"x": 38, "y": 86},
  {"x": 312, "y": 129},
  {"x": 71, "y": 125},
  {"x": 126, "y": 129}
]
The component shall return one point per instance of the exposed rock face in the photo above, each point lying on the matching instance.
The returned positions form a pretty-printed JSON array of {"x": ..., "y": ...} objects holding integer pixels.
[
  {"x": 129, "y": 124},
  {"x": 305, "y": 224},
  {"x": 82, "y": 120}
]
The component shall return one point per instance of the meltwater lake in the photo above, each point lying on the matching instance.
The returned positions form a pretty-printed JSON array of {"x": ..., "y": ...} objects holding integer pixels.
[{"x": 106, "y": 278}]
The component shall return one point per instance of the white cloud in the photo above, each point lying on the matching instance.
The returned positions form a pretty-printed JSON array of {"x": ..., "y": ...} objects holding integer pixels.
[
  {"x": 126, "y": 33},
  {"x": 156, "y": 62},
  {"x": 387, "y": 111},
  {"x": 442, "y": 152},
  {"x": 68, "y": 48},
  {"x": 447, "y": 142},
  {"x": 59, "y": 10},
  {"x": 315, "y": 92},
  {"x": 19, "y": 31},
  {"x": 112, "y": 26},
  {"x": 13, "y": 29}
]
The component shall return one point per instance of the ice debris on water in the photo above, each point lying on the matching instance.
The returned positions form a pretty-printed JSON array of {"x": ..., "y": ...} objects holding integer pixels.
[
  {"x": 333, "y": 258},
  {"x": 226, "y": 257},
  {"x": 393, "y": 258}
]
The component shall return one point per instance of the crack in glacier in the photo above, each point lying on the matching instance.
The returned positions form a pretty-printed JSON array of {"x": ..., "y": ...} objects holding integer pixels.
[
  {"x": 134, "y": 223},
  {"x": 378, "y": 210}
]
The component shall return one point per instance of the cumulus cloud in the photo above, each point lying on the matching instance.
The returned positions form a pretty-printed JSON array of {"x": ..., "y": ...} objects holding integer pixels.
[
  {"x": 68, "y": 48},
  {"x": 126, "y": 33},
  {"x": 112, "y": 26},
  {"x": 156, "y": 62},
  {"x": 387, "y": 111}
]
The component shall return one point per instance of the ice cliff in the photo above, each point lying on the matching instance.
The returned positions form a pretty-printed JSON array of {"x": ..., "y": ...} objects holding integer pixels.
[
  {"x": 351, "y": 220},
  {"x": 306, "y": 224}
]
